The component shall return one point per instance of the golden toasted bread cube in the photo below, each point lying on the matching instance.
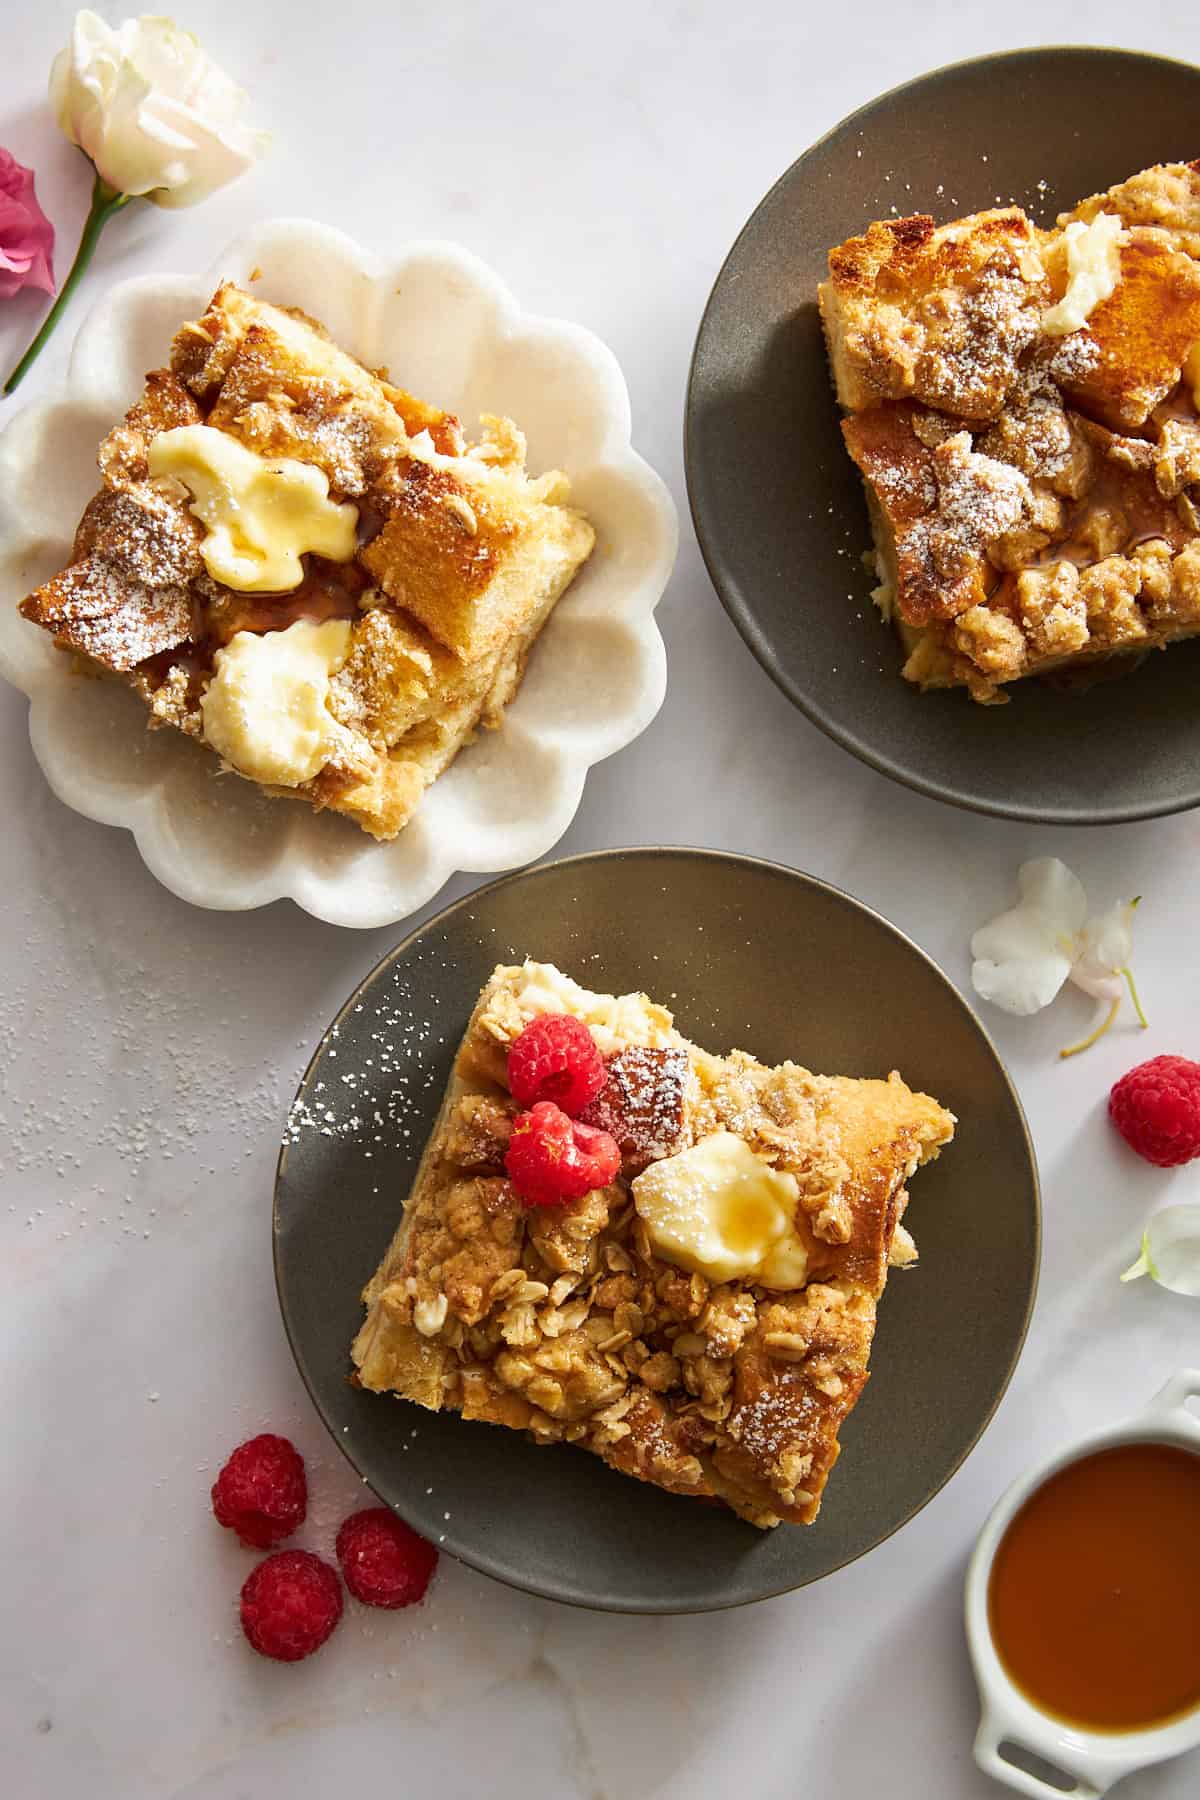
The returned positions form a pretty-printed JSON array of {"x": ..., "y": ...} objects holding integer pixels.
[
  {"x": 278, "y": 378},
  {"x": 936, "y": 313},
  {"x": 471, "y": 551},
  {"x": 1131, "y": 352}
]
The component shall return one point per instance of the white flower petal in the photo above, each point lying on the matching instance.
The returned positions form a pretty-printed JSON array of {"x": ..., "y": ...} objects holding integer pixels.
[
  {"x": 1171, "y": 1249},
  {"x": 1099, "y": 983},
  {"x": 1017, "y": 935},
  {"x": 1023, "y": 985},
  {"x": 1105, "y": 948},
  {"x": 1023, "y": 957},
  {"x": 1056, "y": 892},
  {"x": 202, "y": 157}
]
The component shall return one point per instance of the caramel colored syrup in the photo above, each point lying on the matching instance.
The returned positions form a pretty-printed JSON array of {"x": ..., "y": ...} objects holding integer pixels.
[
  {"x": 329, "y": 590},
  {"x": 747, "y": 1222},
  {"x": 1094, "y": 1597}
]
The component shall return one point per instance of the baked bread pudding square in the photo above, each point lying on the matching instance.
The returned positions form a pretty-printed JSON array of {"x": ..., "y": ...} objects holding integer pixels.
[
  {"x": 1024, "y": 408},
  {"x": 620, "y": 1241},
  {"x": 309, "y": 570}
]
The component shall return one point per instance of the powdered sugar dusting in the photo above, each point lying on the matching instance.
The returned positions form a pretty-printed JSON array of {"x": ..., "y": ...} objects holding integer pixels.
[
  {"x": 978, "y": 500},
  {"x": 969, "y": 359},
  {"x": 777, "y": 1417},
  {"x": 373, "y": 1104},
  {"x": 120, "y": 1133},
  {"x": 1076, "y": 357},
  {"x": 642, "y": 1105}
]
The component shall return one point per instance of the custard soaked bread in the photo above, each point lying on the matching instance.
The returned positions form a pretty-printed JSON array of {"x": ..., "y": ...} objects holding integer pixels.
[
  {"x": 308, "y": 569},
  {"x": 703, "y": 1319},
  {"x": 1024, "y": 408}
]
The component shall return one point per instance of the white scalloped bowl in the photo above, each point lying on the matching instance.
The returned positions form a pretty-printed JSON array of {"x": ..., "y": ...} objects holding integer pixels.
[{"x": 449, "y": 330}]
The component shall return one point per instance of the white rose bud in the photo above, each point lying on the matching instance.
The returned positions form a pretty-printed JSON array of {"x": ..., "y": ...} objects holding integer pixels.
[{"x": 152, "y": 110}]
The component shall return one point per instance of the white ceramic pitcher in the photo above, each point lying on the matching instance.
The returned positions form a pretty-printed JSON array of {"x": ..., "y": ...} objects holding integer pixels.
[{"x": 1092, "y": 1760}]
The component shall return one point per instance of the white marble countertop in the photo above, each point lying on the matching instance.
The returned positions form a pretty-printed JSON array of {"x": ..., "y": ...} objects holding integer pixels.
[{"x": 602, "y": 159}]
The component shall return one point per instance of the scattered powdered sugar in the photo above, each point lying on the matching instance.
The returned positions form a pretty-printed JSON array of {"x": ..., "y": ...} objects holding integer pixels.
[
  {"x": 776, "y": 1418},
  {"x": 96, "y": 606},
  {"x": 1033, "y": 432},
  {"x": 1076, "y": 357},
  {"x": 978, "y": 500},
  {"x": 904, "y": 485},
  {"x": 970, "y": 357},
  {"x": 642, "y": 1105},
  {"x": 397, "y": 1044},
  {"x": 114, "y": 1124}
]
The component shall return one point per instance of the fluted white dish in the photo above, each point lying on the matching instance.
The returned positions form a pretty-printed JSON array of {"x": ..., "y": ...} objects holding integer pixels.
[{"x": 447, "y": 328}]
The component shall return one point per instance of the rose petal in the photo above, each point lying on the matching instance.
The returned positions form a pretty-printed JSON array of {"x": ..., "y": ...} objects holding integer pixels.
[
  {"x": 26, "y": 234},
  {"x": 11, "y": 280},
  {"x": 205, "y": 158},
  {"x": 16, "y": 181}
]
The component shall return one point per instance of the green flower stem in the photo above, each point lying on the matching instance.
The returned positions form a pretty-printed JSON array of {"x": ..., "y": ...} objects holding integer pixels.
[
  {"x": 105, "y": 203},
  {"x": 1093, "y": 1036},
  {"x": 1143, "y": 1021}
]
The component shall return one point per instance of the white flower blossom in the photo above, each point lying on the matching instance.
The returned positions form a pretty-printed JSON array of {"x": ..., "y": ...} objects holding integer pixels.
[
  {"x": 152, "y": 111},
  {"x": 1171, "y": 1249},
  {"x": 1024, "y": 957}
]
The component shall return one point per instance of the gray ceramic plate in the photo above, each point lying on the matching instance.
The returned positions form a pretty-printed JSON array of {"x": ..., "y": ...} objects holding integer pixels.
[
  {"x": 778, "y": 508},
  {"x": 750, "y": 955}
]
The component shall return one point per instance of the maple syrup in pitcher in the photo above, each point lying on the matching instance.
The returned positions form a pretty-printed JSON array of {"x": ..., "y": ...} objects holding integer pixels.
[{"x": 1094, "y": 1595}]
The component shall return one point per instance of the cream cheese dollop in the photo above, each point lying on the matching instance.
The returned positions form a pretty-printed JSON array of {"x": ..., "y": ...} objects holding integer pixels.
[
  {"x": 720, "y": 1211},
  {"x": 1093, "y": 271},
  {"x": 261, "y": 514},
  {"x": 265, "y": 710},
  {"x": 614, "y": 1020}
]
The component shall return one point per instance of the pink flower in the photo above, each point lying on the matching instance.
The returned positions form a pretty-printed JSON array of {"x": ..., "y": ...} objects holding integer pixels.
[{"x": 26, "y": 234}]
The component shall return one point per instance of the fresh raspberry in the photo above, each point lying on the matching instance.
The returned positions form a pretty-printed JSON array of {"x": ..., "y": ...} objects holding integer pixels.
[
  {"x": 290, "y": 1604},
  {"x": 1156, "y": 1109},
  {"x": 552, "y": 1159},
  {"x": 556, "y": 1058},
  {"x": 384, "y": 1562},
  {"x": 261, "y": 1492}
]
